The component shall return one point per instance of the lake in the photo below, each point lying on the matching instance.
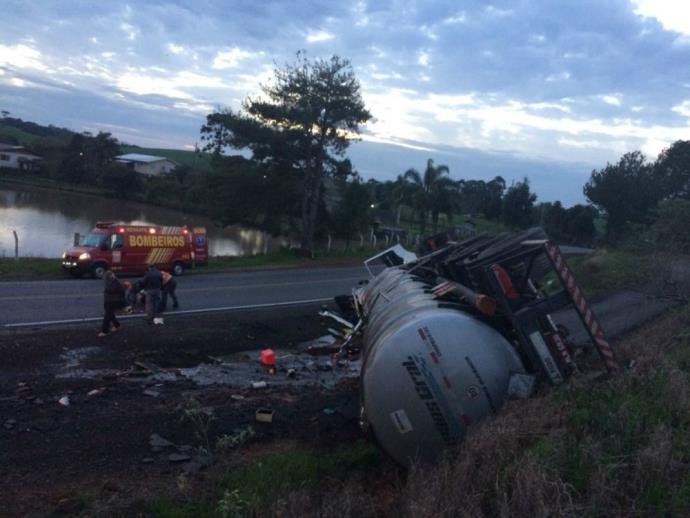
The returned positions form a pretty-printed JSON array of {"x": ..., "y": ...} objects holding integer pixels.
[{"x": 46, "y": 221}]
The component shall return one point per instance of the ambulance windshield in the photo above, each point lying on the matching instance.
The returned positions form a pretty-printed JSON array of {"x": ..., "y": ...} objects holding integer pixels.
[{"x": 92, "y": 240}]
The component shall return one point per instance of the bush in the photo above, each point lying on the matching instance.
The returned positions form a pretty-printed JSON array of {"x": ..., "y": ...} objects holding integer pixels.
[{"x": 671, "y": 229}]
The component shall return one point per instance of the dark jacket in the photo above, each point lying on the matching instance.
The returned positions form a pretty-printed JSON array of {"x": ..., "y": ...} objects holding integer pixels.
[
  {"x": 114, "y": 291},
  {"x": 153, "y": 280}
]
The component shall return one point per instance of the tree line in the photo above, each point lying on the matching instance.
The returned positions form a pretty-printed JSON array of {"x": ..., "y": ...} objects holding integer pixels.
[
  {"x": 298, "y": 180},
  {"x": 635, "y": 194}
]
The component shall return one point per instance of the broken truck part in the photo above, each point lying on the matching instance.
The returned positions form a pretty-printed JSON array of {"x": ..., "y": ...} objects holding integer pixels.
[{"x": 447, "y": 338}]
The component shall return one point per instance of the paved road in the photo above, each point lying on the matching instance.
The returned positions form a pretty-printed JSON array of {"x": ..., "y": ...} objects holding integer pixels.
[
  {"x": 46, "y": 302},
  {"x": 50, "y": 301}
]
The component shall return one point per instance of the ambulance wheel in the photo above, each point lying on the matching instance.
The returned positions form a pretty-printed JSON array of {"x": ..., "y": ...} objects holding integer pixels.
[
  {"x": 178, "y": 269},
  {"x": 98, "y": 270}
]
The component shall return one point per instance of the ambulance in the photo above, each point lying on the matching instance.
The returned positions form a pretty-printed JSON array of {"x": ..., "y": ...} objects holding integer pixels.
[{"x": 128, "y": 249}]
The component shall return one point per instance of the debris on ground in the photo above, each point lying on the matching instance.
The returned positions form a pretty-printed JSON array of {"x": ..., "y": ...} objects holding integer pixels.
[
  {"x": 267, "y": 357},
  {"x": 156, "y": 441},
  {"x": 64, "y": 401},
  {"x": 178, "y": 457},
  {"x": 264, "y": 415},
  {"x": 238, "y": 437}
]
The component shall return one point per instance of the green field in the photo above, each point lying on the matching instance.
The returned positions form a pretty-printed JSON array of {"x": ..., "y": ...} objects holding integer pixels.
[{"x": 8, "y": 133}]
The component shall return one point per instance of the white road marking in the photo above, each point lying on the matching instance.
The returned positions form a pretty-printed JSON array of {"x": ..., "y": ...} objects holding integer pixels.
[{"x": 183, "y": 312}]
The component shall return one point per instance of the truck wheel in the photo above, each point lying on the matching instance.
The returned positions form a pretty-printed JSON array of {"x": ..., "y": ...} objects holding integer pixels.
[
  {"x": 98, "y": 270},
  {"x": 178, "y": 269}
]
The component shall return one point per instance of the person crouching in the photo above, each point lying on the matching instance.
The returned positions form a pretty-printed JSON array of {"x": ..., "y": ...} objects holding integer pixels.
[
  {"x": 169, "y": 286},
  {"x": 152, "y": 284}
]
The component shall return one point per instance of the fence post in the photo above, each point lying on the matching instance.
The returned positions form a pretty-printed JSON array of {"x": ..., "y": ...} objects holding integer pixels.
[
  {"x": 361, "y": 240},
  {"x": 373, "y": 240},
  {"x": 16, "y": 245},
  {"x": 328, "y": 246}
]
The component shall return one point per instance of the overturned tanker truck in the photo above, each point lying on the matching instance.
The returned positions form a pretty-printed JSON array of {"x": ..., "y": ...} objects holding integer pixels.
[{"x": 446, "y": 338}]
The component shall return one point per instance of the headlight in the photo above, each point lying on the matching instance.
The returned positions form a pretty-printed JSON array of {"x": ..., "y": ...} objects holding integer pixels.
[{"x": 85, "y": 256}]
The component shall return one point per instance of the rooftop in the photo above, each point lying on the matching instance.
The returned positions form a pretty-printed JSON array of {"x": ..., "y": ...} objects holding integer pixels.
[
  {"x": 10, "y": 147},
  {"x": 136, "y": 157}
]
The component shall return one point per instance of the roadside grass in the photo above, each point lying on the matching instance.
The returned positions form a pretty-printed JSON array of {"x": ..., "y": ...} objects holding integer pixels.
[
  {"x": 610, "y": 447},
  {"x": 294, "y": 482},
  {"x": 284, "y": 257},
  {"x": 169, "y": 509},
  {"x": 597, "y": 446},
  {"x": 28, "y": 268},
  {"x": 612, "y": 269},
  {"x": 269, "y": 479}
]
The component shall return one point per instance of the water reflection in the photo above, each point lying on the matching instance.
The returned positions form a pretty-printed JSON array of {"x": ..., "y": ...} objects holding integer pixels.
[{"x": 46, "y": 221}]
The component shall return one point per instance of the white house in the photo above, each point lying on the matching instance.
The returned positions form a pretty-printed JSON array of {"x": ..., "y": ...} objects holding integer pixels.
[
  {"x": 148, "y": 164},
  {"x": 16, "y": 157}
]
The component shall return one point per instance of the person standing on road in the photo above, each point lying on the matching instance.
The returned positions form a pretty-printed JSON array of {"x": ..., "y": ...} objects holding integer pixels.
[
  {"x": 169, "y": 286},
  {"x": 113, "y": 299},
  {"x": 152, "y": 284}
]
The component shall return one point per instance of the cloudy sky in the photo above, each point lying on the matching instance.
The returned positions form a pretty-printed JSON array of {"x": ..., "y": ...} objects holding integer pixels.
[{"x": 555, "y": 88}]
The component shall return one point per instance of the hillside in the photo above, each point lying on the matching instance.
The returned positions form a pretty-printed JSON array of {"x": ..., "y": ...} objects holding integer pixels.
[
  {"x": 12, "y": 135},
  {"x": 24, "y": 133}
]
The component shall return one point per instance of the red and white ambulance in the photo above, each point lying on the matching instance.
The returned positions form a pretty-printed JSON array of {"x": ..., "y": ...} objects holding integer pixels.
[{"x": 128, "y": 249}]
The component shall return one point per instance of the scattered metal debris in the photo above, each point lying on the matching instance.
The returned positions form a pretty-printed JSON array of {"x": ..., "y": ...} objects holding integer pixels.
[
  {"x": 156, "y": 441},
  {"x": 178, "y": 457},
  {"x": 264, "y": 415}
]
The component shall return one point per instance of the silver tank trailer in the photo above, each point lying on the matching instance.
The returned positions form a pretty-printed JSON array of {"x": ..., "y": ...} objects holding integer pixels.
[{"x": 429, "y": 370}]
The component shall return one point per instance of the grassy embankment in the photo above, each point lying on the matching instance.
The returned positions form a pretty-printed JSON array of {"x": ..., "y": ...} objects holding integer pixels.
[
  {"x": 595, "y": 446},
  {"x": 611, "y": 448},
  {"x": 28, "y": 268}
]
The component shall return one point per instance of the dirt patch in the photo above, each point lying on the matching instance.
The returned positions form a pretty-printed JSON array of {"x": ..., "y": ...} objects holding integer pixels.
[{"x": 119, "y": 390}]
